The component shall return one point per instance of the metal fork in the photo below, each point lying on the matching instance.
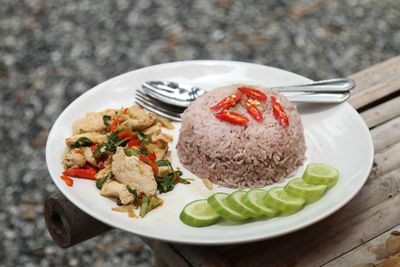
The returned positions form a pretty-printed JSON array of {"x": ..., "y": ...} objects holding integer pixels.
[{"x": 158, "y": 107}]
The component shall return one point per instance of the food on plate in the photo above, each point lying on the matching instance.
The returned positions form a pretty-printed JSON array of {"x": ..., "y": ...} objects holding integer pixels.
[
  {"x": 241, "y": 136},
  {"x": 126, "y": 153},
  {"x": 318, "y": 173},
  {"x": 219, "y": 203},
  {"x": 199, "y": 213},
  {"x": 236, "y": 202},
  {"x": 254, "y": 199},
  {"x": 257, "y": 203},
  {"x": 311, "y": 193},
  {"x": 286, "y": 203}
]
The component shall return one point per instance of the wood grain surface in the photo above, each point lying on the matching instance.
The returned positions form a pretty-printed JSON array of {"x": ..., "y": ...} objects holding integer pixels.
[{"x": 363, "y": 233}]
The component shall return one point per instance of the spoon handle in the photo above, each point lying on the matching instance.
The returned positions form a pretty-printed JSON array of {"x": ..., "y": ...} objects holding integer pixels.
[
  {"x": 333, "y": 85},
  {"x": 317, "y": 97}
]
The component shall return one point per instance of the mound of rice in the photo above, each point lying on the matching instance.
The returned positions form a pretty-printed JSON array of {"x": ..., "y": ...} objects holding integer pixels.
[{"x": 240, "y": 156}]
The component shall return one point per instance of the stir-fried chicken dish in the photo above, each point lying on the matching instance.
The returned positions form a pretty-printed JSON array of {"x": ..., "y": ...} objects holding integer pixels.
[{"x": 126, "y": 153}]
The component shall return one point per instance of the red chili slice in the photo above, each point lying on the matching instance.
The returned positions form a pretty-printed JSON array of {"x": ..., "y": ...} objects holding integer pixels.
[
  {"x": 68, "y": 181},
  {"x": 81, "y": 173},
  {"x": 150, "y": 160},
  {"x": 94, "y": 146},
  {"x": 227, "y": 102},
  {"x": 152, "y": 156},
  {"x": 78, "y": 151},
  {"x": 126, "y": 134},
  {"x": 253, "y": 93},
  {"x": 124, "y": 111},
  {"x": 279, "y": 113},
  {"x": 134, "y": 142},
  {"x": 232, "y": 117},
  {"x": 253, "y": 110},
  {"x": 114, "y": 124}
]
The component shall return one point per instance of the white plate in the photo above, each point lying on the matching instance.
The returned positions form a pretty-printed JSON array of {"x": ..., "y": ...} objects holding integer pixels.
[{"x": 334, "y": 134}]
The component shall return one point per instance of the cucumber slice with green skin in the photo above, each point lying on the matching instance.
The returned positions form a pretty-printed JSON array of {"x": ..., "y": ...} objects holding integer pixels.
[
  {"x": 198, "y": 213},
  {"x": 254, "y": 199},
  {"x": 300, "y": 188},
  {"x": 279, "y": 199},
  {"x": 235, "y": 201},
  {"x": 319, "y": 173},
  {"x": 219, "y": 203}
]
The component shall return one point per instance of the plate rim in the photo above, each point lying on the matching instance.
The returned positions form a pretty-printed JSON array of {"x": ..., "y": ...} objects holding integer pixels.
[{"x": 312, "y": 221}]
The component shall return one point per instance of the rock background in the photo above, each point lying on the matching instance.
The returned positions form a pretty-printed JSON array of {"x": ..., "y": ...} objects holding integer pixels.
[{"x": 53, "y": 51}]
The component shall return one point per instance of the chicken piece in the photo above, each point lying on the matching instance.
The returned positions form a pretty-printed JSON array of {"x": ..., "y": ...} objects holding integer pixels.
[
  {"x": 72, "y": 159},
  {"x": 103, "y": 172},
  {"x": 154, "y": 129},
  {"x": 160, "y": 151},
  {"x": 133, "y": 172},
  {"x": 161, "y": 137},
  {"x": 94, "y": 137},
  {"x": 166, "y": 123},
  {"x": 139, "y": 119},
  {"x": 92, "y": 122},
  {"x": 88, "y": 154},
  {"x": 115, "y": 189},
  {"x": 109, "y": 112}
]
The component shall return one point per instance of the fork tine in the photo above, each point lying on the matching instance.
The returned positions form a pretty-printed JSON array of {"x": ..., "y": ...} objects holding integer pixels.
[
  {"x": 156, "y": 109},
  {"x": 159, "y": 103}
]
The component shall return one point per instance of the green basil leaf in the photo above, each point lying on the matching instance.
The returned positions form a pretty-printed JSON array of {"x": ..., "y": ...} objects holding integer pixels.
[
  {"x": 83, "y": 141},
  {"x": 130, "y": 151},
  {"x": 100, "y": 182},
  {"x": 106, "y": 120},
  {"x": 162, "y": 163},
  {"x": 183, "y": 181}
]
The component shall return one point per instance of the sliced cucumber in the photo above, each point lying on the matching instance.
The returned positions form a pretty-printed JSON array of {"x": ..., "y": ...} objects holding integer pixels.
[
  {"x": 235, "y": 201},
  {"x": 198, "y": 213},
  {"x": 300, "y": 188},
  {"x": 254, "y": 199},
  {"x": 319, "y": 173},
  {"x": 219, "y": 203},
  {"x": 278, "y": 199}
]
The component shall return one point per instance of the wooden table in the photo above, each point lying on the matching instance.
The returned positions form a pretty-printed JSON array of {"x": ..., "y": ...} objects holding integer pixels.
[{"x": 363, "y": 233}]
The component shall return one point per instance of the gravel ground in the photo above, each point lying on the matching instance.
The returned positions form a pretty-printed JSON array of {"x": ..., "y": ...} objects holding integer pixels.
[{"x": 53, "y": 51}]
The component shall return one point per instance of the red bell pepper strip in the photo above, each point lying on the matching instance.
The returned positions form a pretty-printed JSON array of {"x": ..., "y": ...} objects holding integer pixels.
[
  {"x": 227, "y": 102},
  {"x": 114, "y": 124},
  {"x": 81, "y": 173},
  {"x": 152, "y": 156},
  {"x": 133, "y": 142},
  {"x": 94, "y": 146},
  {"x": 78, "y": 151},
  {"x": 253, "y": 110},
  {"x": 150, "y": 160},
  {"x": 232, "y": 117},
  {"x": 153, "y": 165},
  {"x": 68, "y": 181},
  {"x": 126, "y": 134},
  {"x": 253, "y": 93},
  {"x": 279, "y": 113},
  {"x": 124, "y": 111}
]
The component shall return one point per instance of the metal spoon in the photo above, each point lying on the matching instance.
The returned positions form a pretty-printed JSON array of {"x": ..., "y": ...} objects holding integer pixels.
[{"x": 326, "y": 91}]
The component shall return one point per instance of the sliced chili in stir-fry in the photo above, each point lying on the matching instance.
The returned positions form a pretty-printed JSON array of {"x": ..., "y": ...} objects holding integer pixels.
[
  {"x": 68, "y": 180},
  {"x": 81, "y": 173}
]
